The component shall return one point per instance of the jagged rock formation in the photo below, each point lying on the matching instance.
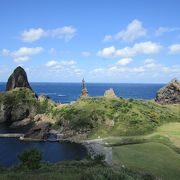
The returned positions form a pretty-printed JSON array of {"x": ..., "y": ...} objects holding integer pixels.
[
  {"x": 18, "y": 79},
  {"x": 169, "y": 94},
  {"x": 110, "y": 94},
  {"x": 84, "y": 92}
]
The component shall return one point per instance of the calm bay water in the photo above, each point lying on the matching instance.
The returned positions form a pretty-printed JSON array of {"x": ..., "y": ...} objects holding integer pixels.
[
  {"x": 53, "y": 152},
  {"x": 65, "y": 93}
]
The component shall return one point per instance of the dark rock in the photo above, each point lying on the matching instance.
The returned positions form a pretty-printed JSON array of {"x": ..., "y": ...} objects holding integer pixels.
[
  {"x": 169, "y": 94},
  {"x": 18, "y": 79},
  {"x": 40, "y": 131},
  {"x": 21, "y": 123}
]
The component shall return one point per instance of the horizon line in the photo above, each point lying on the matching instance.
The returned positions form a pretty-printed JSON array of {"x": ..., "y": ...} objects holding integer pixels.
[{"x": 97, "y": 82}]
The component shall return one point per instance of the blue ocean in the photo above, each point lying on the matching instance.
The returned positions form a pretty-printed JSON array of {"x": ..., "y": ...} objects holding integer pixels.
[{"x": 68, "y": 92}]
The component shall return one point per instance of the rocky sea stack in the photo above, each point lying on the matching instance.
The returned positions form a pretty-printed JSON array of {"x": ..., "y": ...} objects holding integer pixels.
[
  {"x": 110, "y": 94},
  {"x": 169, "y": 94},
  {"x": 18, "y": 79}
]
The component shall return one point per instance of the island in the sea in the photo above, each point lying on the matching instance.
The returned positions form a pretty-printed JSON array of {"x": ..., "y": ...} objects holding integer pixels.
[{"x": 108, "y": 126}]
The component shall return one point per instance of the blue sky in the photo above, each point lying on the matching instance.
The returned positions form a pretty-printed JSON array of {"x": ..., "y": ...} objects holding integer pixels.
[{"x": 123, "y": 41}]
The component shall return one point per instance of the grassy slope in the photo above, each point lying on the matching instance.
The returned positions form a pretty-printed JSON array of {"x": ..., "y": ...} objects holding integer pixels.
[
  {"x": 130, "y": 117},
  {"x": 154, "y": 158},
  {"x": 154, "y": 153},
  {"x": 172, "y": 131}
]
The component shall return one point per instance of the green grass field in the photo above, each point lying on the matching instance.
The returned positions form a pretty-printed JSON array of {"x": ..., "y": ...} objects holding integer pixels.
[
  {"x": 155, "y": 158},
  {"x": 172, "y": 131},
  {"x": 154, "y": 153}
]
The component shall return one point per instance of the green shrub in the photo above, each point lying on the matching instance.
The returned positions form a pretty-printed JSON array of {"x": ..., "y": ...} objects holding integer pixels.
[{"x": 31, "y": 158}]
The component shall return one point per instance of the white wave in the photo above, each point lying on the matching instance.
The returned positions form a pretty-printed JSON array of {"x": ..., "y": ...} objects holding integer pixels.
[
  {"x": 48, "y": 93},
  {"x": 61, "y": 95}
]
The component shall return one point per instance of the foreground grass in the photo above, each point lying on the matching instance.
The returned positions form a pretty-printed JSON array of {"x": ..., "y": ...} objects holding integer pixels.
[
  {"x": 79, "y": 170},
  {"x": 155, "y": 158},
  {"x": 157, "y": 153},
  {"x": 171, "y": 131}
]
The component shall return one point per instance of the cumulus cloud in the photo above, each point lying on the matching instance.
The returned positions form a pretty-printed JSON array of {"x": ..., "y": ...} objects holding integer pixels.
[
  {"x": 85, "y": 53},
  {"x": 174, "y": 48},
  {"x": 147, "y": 47},
  {"x": 67, "y": 68},
  {"x": 124, "y": 61},
  {"x": 22, "y": 54},
  {"x": 147, "y": 61},
  {"x": 148, "y": 67},
  {"x": 57, "y": 64},
  {"x": 31, "y": 35},
  {"x": 133, "y": 31},
  {"x": 107, "y": 52},
  {"x": 161, "y": 30}
]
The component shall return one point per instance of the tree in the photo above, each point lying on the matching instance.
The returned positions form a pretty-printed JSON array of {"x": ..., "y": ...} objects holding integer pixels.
[{"x": 31, "y": 158}]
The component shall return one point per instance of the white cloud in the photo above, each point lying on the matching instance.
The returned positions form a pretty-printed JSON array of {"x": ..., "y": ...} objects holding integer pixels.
[
  {"x": 85, "y": 53},
  {"x": 174, "y": 48},
  {"x": 107, "y": 52},
  {"x": 66, "y": 33},
  {"x": 133, "y": 31},
  {"x": 162, "y": 30},
  {"x": 32, "y": 34},
  {"x": 67, "y": 68},
  {"x": 51, "y": 63},
  {"x": 125, "y": 52},
  {"x": 148, "y": 68},
  {"x": 22, "y": 54},
  {"x": 124, "y": 61},
  {"x": 147, "y": 47},
  {"x": 147, "y": 61}
]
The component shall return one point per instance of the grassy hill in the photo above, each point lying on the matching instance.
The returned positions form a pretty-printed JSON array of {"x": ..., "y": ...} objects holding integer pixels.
[{"x": 115, "y": 117}]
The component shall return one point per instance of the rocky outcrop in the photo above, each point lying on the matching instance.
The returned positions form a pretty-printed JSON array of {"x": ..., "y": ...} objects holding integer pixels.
[
  {"x": 170, "y": 94},
  {"x": 84, "y": 92},
  {"x": 21, "y": 123},
  {"x": 39, "y": 131},
  {"x": 2, "y": 113},
  {"x": 43, "y": 118},
  {"x": 110, "y": 94},
  {"x": 18, "y": 79},
  {"x": 17, "y": 104}
]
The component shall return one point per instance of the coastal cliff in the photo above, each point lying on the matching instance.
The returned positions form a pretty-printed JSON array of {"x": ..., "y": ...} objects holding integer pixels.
[{"x": 169, "y": 94}]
